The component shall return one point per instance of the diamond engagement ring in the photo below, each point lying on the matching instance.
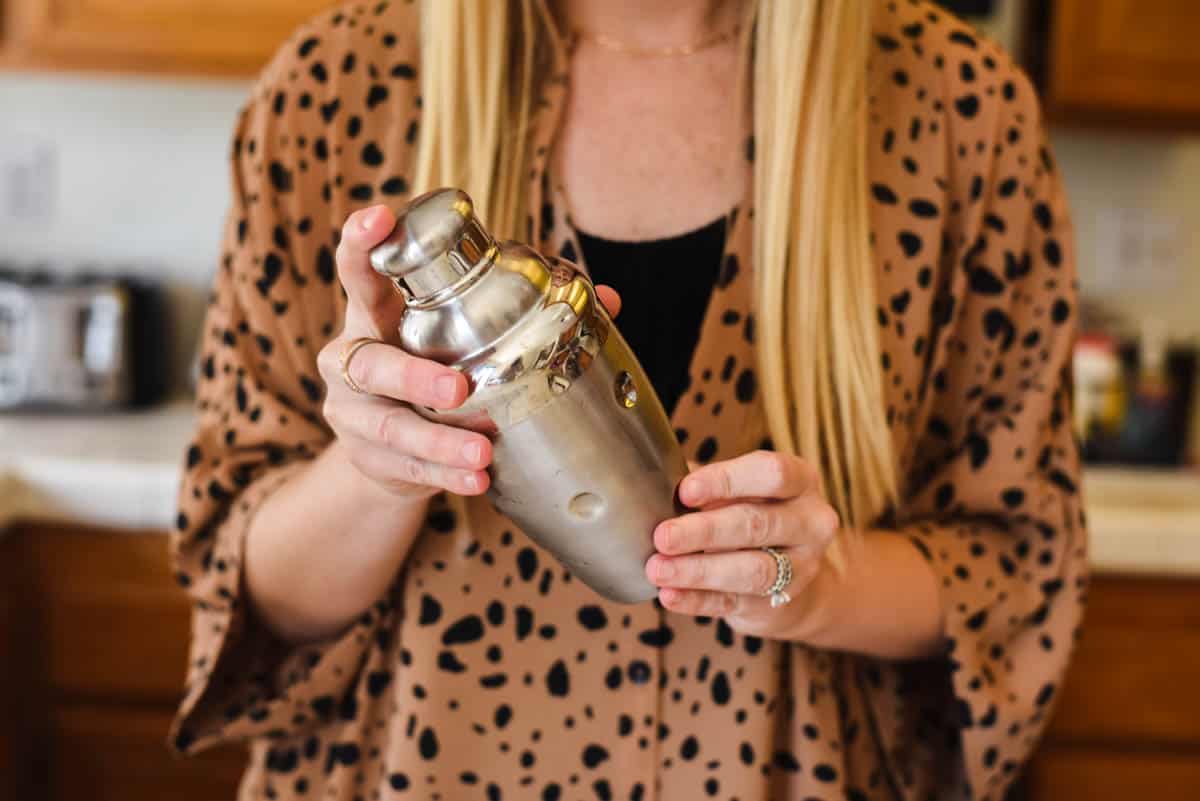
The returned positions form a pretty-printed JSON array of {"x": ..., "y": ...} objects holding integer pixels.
[{"x": 783, "y": 575}]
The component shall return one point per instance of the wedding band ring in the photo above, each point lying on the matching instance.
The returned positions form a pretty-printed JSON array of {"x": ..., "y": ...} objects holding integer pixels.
[
  {"x": 353, "y": 347},
  {"x": 783, "y": 576}
]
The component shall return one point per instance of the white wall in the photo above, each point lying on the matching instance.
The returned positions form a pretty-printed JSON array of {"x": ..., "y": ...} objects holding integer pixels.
[{"x": 141, "y": 176}]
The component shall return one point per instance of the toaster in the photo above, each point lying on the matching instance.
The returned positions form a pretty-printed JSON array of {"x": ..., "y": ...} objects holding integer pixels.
[{"x": 83, "y": 342}]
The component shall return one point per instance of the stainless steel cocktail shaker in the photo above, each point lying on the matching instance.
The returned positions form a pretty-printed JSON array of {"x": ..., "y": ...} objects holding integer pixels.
[{"x": 584, "y": 457}]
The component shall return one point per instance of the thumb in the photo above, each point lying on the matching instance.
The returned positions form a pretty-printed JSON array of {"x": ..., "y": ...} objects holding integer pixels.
[
  {"x": 610, "y": 298},
  {"x": 373, "y": 306}
]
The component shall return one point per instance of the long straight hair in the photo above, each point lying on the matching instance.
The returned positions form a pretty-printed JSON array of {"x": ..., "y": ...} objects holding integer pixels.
[{"x": 818, "y": 349}]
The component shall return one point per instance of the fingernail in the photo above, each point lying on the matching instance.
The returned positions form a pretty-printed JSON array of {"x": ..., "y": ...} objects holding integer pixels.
[
  {"x": 472, "y": 452},
  {"x": 471, "y": 481},
  {"x": 692, "y": 492},
  {"x": 665, "y": 570},
  {"x": 665, "y": 532},
  {"x": 446, "y": 387},
  {"x": 369, "y": 219}
]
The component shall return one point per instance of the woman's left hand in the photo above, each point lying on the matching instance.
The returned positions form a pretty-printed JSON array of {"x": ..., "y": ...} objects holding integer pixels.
[{"x": 710, "y": 562}]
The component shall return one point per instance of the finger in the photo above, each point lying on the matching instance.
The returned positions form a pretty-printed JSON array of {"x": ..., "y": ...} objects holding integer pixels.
[
  {"x": 387, "y": 371},
  {"x": 751, "y": 572},
  {"x": 759, "y": 474},
  {"x": 374, "y": 306},
  {"x": 400, "y": 429},
  {"x": 709, "y": 604},
  {"x": 407, "y": 475},
  {"x": 806, "y": 521},
  {"x": 610, "y": 298}
]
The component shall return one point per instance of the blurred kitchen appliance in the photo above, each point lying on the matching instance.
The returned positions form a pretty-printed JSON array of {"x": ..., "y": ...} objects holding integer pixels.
[{"x": 83, "y": 343}]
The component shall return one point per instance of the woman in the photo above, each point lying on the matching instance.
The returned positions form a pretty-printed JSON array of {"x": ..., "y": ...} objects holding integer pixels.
[{"x": 885, "y": 298}]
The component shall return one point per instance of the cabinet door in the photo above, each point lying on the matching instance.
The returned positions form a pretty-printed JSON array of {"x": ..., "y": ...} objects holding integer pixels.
[
  {"x": 229, "y": 37},
  {"x": 1126, "y": 61}
]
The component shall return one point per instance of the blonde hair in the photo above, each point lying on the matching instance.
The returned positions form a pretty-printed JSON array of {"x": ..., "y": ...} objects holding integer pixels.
[{"x": 818, "y": 348}]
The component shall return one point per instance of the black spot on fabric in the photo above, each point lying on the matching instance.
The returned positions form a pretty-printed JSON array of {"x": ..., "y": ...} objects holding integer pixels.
[
  {"x": 639, "y": 671},
  {"x": 1060, "y": 312},
  {"x": 450, "y": 663},
  {"x": 720, "y": 689},
  {"x": 986, "y": 282},
  {"x": 707, "y": 450},
  {"x": 613, "y": 678},
  {"x": 349, "y": 63},
  {"x": 503, "y": 715},
  {"x": 923, "y": 208},
  {"x": 323, "y": 706},
  {"x": 887, "y": 43},
  {"x": 311, "y": 388},
  {"x": 944, "y": 496},
  {"x": 967, "y": 106},
  {"x": 341, "y": 754},
  {"x": 1008, "y": 187},
  {"x": 398, "y": 781},
  {"x": 729, "y": 271},
  {"x": 1016, "y": 267},
  {"x": 961, "y": 38},
  {"x": 659, "y": 637},
  {"x": 884, "y": 194},
  {"x": 321, "y": 149},
  {"x": 1044, "y": 695},
  {"x": 394, "y": 186},
  {"x": 997, "y": 323},
  {"x": 280, "y": 102},
  {"x": 552, "y": 792},
  {"x": 825, "y": 773},
  {"x": 194, "y": 456},
  {"x": 405, "y": 71},
  {"x": 978, "y": 450},
  {"x": 1043, "y": 216},
  {"x": 524, "y": 622},
  {"x": 362, "y": 192},
  {"x": 899, "y": 302},
  {"x": 977, "y": 621},
  {"x": 1013, "y": 497},
  {"x": 558, "y": 681},
  {"x": 442, "y": 520},
  {"x": 1053, "y": 253},
  {"x": 593, "y": 755},
  {"x": 495, "y": 613},
  {"x": 786, "y": 761},
  {"x": 348, "y": 708},
  {"x": 527, "y": 563},
  {"x": 431, "y": 610},
  {"x": 372, "y": 156},
  {"x": 746, "y": 386},
  {"x": 466, "y": 630},
  {"x": 592, "y": 618},
  {"x": 377, "y": 95},
  {"x": 218, "y": 492},
  {"x": 967, "y": 71},
  {"x": 410, "y": 135},
  {"x": 281, "y": 177},
  {"x": 307, "y": 46},
  {"x": 910, "y": 243},
  {"x": 428, "y": 743},
  {"x": 326, "y": 266},
  {"x": 377, "y": 682},
  {"x": 689, "y": 748},
  {"x": 329, "y": 110},
  {"x": 1062, "y": 481}
]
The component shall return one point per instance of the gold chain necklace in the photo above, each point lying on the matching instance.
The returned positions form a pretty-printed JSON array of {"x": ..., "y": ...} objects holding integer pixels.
[{"x": 617, "y": 46}]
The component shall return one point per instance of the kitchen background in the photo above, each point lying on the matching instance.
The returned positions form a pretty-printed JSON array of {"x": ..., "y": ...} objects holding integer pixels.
[{"x": 118, "y": 163}]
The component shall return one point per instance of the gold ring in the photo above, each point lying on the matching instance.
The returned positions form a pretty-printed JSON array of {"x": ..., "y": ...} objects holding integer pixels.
[{"x": 348, "y": 352}]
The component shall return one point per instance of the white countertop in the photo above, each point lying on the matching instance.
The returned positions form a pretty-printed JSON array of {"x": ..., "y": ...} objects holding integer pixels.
[
  {"x": 117, "y": 469},
  {"x": 123, "y": 470}
]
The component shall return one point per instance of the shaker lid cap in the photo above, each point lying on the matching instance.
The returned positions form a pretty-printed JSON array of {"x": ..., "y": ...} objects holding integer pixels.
[{"x": 437, "y": 240}]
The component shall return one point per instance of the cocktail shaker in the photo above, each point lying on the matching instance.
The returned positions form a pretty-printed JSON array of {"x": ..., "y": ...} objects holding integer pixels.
[{"x": 584, "y": 458}]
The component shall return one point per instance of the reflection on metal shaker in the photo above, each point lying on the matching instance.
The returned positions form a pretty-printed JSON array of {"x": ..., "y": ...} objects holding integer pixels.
[{"x": 585, "y": 460}]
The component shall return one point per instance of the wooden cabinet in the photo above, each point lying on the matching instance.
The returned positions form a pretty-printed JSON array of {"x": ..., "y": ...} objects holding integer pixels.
[
  {"x": 1127, "y": 724},
  {"x": 94, "y": 634},
  {"x": 206, "y": 37},
  {"x": 1131, "y": 62}
]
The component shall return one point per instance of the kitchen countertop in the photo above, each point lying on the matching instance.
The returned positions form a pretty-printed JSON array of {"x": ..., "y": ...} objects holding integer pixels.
[{"x": 122, "y": 470}]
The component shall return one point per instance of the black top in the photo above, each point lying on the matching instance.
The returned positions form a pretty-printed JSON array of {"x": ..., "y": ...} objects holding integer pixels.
[{"x": 661, "y": 326}]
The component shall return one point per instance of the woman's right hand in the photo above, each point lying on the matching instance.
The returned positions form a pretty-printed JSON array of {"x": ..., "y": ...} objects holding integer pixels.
[{"x": 377, "y": 429}]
